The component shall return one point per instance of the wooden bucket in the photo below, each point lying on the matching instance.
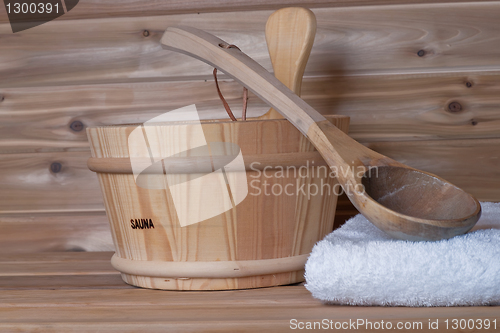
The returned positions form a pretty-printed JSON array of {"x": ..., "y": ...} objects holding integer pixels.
[{"x": 262, "y": 240}]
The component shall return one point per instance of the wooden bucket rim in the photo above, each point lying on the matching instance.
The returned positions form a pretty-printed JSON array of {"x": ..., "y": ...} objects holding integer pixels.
[
  {"x": 193, "y": 164},
  {"x": 209, "y": 122}
]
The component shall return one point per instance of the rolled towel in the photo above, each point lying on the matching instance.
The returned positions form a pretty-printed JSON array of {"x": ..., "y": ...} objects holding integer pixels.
[{"x": 358, "y": 264}]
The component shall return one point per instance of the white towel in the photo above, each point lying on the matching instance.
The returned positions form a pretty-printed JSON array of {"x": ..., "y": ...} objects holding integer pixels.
[{"x": 358, "y": 264}]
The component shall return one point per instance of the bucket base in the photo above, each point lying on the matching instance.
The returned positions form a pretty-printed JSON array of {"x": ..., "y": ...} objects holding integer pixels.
[
  {"x": 211, "y": 275},
  {"x": 247, "y": 282}
]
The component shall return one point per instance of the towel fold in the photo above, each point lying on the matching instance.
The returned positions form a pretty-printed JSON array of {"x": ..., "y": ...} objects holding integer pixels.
[{"x": 358, "y": 264}]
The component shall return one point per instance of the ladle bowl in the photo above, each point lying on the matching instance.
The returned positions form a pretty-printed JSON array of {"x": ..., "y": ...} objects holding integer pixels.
[{"x": 406, "y": 192}]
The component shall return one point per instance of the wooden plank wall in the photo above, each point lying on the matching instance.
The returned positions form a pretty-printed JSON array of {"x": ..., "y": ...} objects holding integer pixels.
[{"x": 420, "y": 81}]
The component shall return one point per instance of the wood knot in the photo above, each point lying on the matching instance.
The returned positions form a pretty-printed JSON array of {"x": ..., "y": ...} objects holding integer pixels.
[
  {"x": 56, "y": 167},
  {"x": 454, "y": 107},
  {"x": 76, "y": 126}
]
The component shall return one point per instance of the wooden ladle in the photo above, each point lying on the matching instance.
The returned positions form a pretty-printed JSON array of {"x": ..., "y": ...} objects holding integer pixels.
[{"x": 400, "y": 200}]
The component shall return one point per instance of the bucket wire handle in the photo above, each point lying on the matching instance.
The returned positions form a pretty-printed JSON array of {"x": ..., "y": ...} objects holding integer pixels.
[{"x": 245, "y": 92}]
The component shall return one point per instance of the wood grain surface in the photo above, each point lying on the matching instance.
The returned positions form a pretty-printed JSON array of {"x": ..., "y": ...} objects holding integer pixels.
[
  {"x": 104, "y": 9},
  {"x": 61, "y": 300},
  {"x": 40, "y": 232},
  {"x": 453, "y": 160},
  {"x": 97, "y": 65},
  {"x": 381, "y": 107},
  {"x": 30, "y": 185},
  {"x": 458, "y": 161},
  {"x": 450, "y": 159},
  {"x": 361, "y": 40}
]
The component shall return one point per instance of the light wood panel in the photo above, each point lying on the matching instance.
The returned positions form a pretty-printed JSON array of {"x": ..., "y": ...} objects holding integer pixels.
[
  {"x": 360, "y": 40},
  {"x": 126, "y": 78},
  {"x": 225, "y": 318},
  {"x": 115, "y": 8},
  {"x": 91, "y": 302},
  {"x": 78, "y": 231},
  {"x": 73, "y": 258},
  {"x": 404, "y": 107},
  {"x": 52, "y": 282},
  {"x": 381, "y": 107},
  {"x": 58, "y": 268},
  {"x": 38, "y": 119},
  {"x": 30, "y": 186},
  {"x": 472, "y": 165}
]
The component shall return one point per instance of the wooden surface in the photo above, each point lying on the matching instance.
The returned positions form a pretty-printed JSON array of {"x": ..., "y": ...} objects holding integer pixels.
[
  {"x": 349, "y": 41},
  {"x": 55, "y": 231},
  {"x": 333, "y": 61},
  {"x": 452, "y": 159},
  {"x": 81, "y": 292},
  {"x": 97, "y": 65},
  {"x": 384, "y": 106},
  {"x": 114, "y": 8},
  {"x": 381, "y": 107}
]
